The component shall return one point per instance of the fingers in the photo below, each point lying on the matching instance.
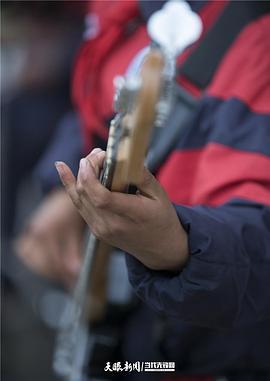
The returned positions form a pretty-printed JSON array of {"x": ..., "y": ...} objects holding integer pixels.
[
  {"x": 149, "y": 186},
  {"x": 89, "y": 188},
  {"x": 68, "y": 180},
  {"x": 131, "y": 206},
  {"x": 98, "y": 199},
  {"x": 87, "y": 176},
  {"x": 96, "y": 159},
  {"x": 90, "y": 166},
  {"x": 97, "y": 204}
]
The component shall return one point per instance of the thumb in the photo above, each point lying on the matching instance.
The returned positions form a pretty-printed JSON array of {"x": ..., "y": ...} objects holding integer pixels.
[
  {"x": 149, "y": 186},
  {"x": 68, "y": 180}
]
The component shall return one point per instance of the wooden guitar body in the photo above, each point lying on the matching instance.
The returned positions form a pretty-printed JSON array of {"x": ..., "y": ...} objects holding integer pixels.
[{"x": 128, "y": 164}]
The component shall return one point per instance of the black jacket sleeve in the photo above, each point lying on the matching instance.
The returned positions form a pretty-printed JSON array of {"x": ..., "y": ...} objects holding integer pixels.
[{"x": 226, "y": 281}]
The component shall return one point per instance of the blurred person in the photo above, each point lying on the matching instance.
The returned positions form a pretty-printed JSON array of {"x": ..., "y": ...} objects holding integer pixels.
[
  {"x": 200, "y": 287},
  {"x": 37, "y": 54},
  {"x": 38, "y": 40}
]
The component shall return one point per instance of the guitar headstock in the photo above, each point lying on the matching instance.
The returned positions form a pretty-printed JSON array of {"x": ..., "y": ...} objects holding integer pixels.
[{"x": 140, "y": 103}]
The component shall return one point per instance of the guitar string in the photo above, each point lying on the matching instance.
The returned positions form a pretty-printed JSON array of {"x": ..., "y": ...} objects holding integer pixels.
[{"x": 72, "y": 321}]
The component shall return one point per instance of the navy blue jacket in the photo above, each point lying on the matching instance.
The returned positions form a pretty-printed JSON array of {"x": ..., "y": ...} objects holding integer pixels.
[
  {"x": 221, "y": 172},
  {"x": 217, "y": 308}
]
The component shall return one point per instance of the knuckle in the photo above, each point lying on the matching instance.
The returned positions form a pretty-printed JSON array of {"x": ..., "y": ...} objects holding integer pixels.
[
  {"x": 80, "y": 188},
  {"x": 98, "y": 230},
  {"x": 101, "y": 201},
  {"x": 102, "y": 231},
  {"x": 107, "y": 233},
  {"x": 116, "y": 230},
  {"x": 77, "y": 202}
]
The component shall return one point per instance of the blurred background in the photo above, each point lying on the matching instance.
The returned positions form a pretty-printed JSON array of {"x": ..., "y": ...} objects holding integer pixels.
[{"x": 38, "y": 44}]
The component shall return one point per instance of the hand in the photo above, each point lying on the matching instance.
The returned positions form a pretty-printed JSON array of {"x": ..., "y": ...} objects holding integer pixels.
[
  {"x": 51, "y": 242},
  {"x": 145, "y": 225}
]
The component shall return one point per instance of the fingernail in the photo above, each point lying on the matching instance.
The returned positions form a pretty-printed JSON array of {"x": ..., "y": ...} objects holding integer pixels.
[
  {"x": 57, "y": 165},
  {"x": 95, "y": 151},
  {"x": 60, "y": 169},
  {"x": 83, "y": 164}
]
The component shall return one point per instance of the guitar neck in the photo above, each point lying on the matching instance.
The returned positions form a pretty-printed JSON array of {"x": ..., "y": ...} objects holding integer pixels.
[{"x": 126, "y": 150}]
